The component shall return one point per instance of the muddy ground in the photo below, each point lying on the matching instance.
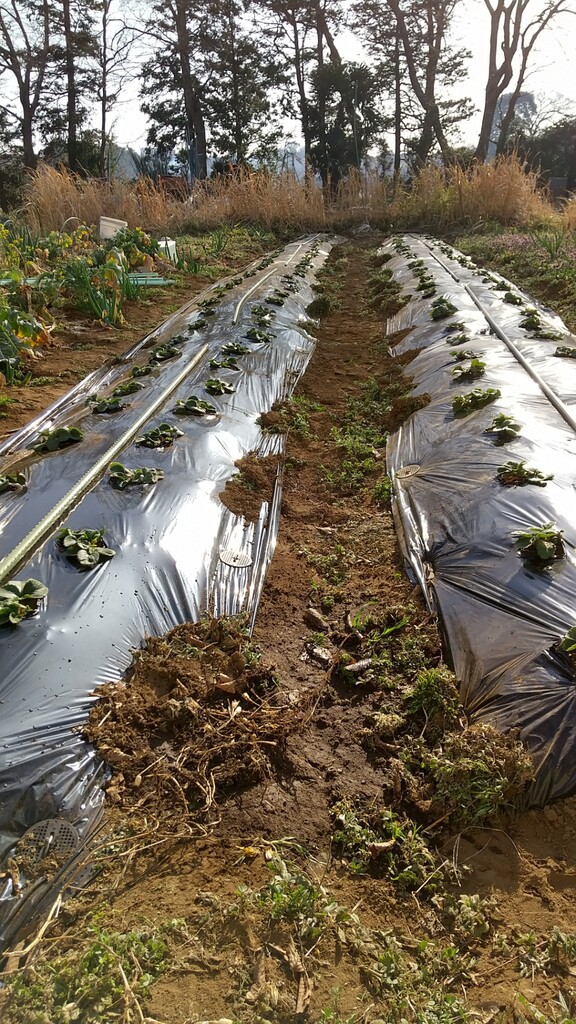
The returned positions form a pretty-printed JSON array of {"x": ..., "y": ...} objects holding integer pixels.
[{"x": 229, "y": 884}]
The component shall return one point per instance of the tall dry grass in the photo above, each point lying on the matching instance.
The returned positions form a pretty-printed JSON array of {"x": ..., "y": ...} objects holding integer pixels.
[{"x": 437, "y": 199}]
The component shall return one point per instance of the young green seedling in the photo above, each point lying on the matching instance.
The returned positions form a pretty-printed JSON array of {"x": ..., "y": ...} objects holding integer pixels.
[
  {"x": 121, "y": 477},
  {"x": 475, "y": 370},
  {"x": 87, "y": 548},
  {"x": 518, "y": 474},
  {"x": 20, "y": 598},
  {"x": 566, "y": 351},
  {"x": 258, "y": 336},
  {"x": 164, "y": 352},
  {"x": 540, "y": 543},
  {"x": 197, "y": 325},
  {"x": 512, "y": 299},
  {"x": 234, "y": 348},
  {"x": 503, "y": 428},
  {"x": 442, "y": 308},
  {"x": 159, "y": 437},
  {"x": 193, "y": 406},
  {"x": 53, "y": 440},
  {"x": 224, "y": 364},
  {"x": 454, "y": 325},
  {"x": 141, "y": 371},
  {"x": 130, "y": 387},
  {"x": 461, "y": 355},
  {"x": 107, "y": 405},
  {"x": 12, "y": 482},
  {"x": 217, "y": 386},
  {"x": 463, "y": 405}
]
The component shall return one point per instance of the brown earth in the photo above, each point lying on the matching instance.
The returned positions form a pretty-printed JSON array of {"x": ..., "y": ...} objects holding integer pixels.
[
  {"x": 254, "y": 484},
  {"x": 336, "y": 562}
]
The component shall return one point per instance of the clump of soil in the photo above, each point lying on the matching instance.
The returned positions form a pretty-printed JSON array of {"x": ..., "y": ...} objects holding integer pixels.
[
  {"x": 245, "y": 493},
  {"x": 199, "y": 714}
]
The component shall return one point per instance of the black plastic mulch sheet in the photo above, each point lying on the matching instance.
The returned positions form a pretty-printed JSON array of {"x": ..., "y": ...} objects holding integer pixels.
[
  {"x": 168, "y": 538},
  {"x": 501, "y": 618}
]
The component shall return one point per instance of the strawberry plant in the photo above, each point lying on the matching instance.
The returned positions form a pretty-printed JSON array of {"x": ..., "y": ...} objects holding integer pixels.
[
  {"x": 129, "y": 387},
  {"x": 540, "y": 543},
  {"x": 197, "y": 325},
  {"x": 193, "y": 406},
  {"x": 163, "y": 352},
  {"x": 460, "y": 339},
  {"x": 53, "y": 440},
  {"x": 503, "y": 428},
  {"x": 518, "y": 474},
  {"x": 276, "y": 299},
  {"x": 512, "y": 299},
  {"x": 107, "y": 405},
  {"x": 217, "y": 386},
  {"x": 475, "y": 370},
  {"x": 565, "y": 350},
  {"x": 141, "y": 371},
  {"x": 234, "y": 348},
  {"x": 262, "y": 315},
  {"x": 442, "y": 308},
  {"x": 121, "y": 477},
  {"x": 568, "y": 644},
  {"x": 20, "y": 598},
  {"x": 463, "y": 405},
  {"x": 85, "y": 547},
  {"x": 260, "y": 337},
  {"x": 455, "y": 325},
  {"x": 462, "y": 356},
  {"x": 159, "y": 437},
  {"x": 12, "y": 482},
  {"x": 532, "y": 322},
  {"x": 208, "y": 307},
  {"x": 224, "y": 364}
]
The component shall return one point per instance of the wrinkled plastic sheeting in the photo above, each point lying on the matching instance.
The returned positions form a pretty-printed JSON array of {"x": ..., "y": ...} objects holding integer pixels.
[
  {"x": 168, "y": 538},
  {"x": 501, "y": 619}
]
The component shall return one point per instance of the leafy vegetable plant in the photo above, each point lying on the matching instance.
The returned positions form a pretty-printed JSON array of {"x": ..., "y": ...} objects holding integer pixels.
[
  {"x": 460, "y": 356},
  {"x": 568, "y": 644},
  {"x": 163, "y": 352},
  {"x": 234, "y": 348},
  {"x": 442, "y": 308},
  {"x": 141, "y": 371},
  {"x": 512, "y": 299},
  {"x": 193, "y": 406},
  {"x": 129, "y": 387},
  {"x": 259, "y": 336},
  {"x": 565, "y": 350},
  {"x": 197, "y": 325},
  {"x": 540, "y": 543},
  {"x": 463, "y": 405},
  {"x": 504, "y": 429},
  {"x": 107, "y": 405},
  {"x": 216, "y": 386},
  {"x": 518, "y": 474},
  {"x": 455, "y": 325},
  {"x": 12, "y": 482},
  {"x": 20, "y": 598},
  {"x": 159, "y": 437},
  {"x": 85, "y": 547},
  {"x": 475, "y": 370},
  {"x": 224, "y": 364},
  {"x": 121, "y": 477},
  {"x": 53, "y": 440}
]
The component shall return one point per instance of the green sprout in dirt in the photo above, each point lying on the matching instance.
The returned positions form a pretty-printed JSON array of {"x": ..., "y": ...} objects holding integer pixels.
[
  {"x": 234, "y": 348},
  {"x": 163, "y": 352},
  {"x": 129, "y": 387},
  {"x": 217, "y": 386},
  {"x": 435, "y": 698},
  {"x": 378, "y": 840},
  {"x": 20, "y": 598},
  {"x": 106, "y": 406},
  {"x": 503, "y": 429},
  {"x": 161, "y": 436},
  {"x": 85, "y": 547},
  {"x": 518, "y": 474},
  {"x": 473, "y": 371},
  {"x": 193, "y": 406},
  {"x": 99, "y": 982},
  {"x": 442, "y": 309},
  {"x": 463, "y": 405},
  {"x": 12, "y": 482},
  {"x": 320, "y": 306},
  {"x": 258, "y": 336},
  {"x": 540, "y": 543},
  {"x": 224, "y": 364},
  {"x": 566, "y": 352},
  {"x": 121, "y": 477},
  {"x": 53, "y": 440}
]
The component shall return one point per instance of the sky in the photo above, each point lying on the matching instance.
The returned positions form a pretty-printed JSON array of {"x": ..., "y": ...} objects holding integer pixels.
[{"x": 552, "y": 73}]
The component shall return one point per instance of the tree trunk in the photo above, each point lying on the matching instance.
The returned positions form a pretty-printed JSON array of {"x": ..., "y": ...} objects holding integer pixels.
[
  {"x": 397, "y": 110},
  {"x": 30, "y": 158},
  {"x": 104, "y": 91},
  {"x": 192, "y": 103},
  {"x": 71, "y": 98},
  {"x": 302, "y": 99},
  {"x": 323, "y": 159}
]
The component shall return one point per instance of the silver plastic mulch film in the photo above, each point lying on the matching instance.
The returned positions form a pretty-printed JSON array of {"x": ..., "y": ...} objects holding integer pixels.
[
  {"x": 169, "y": 537},
  {"x": 502, "y": 618}
]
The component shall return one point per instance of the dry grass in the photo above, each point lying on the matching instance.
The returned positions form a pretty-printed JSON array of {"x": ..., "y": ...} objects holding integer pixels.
[{"x": 437, "y": 199}]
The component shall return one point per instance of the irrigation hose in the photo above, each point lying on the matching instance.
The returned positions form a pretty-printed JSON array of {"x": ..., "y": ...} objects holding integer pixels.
[{"x": 29, "y": 544}]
